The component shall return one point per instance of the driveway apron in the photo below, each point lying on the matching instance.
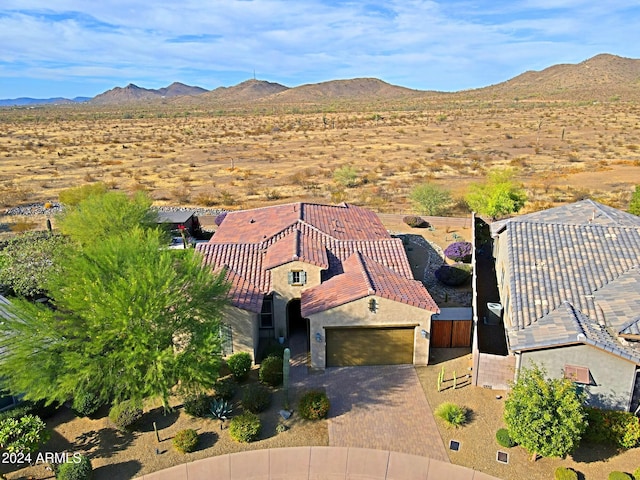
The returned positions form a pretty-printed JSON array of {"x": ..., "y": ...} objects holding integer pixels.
[{"x": 379, "y": 407}]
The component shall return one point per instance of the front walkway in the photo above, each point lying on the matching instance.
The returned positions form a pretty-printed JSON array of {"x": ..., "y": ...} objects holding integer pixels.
[
  {"x": 317, "y": 463},
  {"x": 380, "y": 407}
]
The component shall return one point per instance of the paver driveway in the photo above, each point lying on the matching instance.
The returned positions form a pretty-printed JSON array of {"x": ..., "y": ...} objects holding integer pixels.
[{"x": 379, "y": 407}]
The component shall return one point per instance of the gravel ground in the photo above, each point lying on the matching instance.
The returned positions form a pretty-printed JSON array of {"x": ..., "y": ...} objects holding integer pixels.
[
  {"x": 115, "y": 455},
  {"x": 478, "y": 444}
]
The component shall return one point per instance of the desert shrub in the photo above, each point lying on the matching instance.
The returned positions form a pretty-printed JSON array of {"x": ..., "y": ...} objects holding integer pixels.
[
  {"x": 23, "y": 435},
  {"x": 618, "y": 428},
  {"x": 197, "y": 405},
  {"x": 504, "y": 439},
  {"x": 459, "y": 252},
  {"x": 636, "y": 474},
  {"x": 256, "y": 398},
  {"x": 225, "y": 388},
  {"x": 274, "y": 350},
  {"x": 415, "y": 222},
  {"x": 314, "y": 405},
  {"x": 452, "y": 414},
  {"x": 125, "y": 414},
  {"x": 564, "y": 473},
  {"x": 240, "y": 364},
  {"x": 186, "y": 441},
  {"x": 615, "y": 475},
  {"x": 281, "y": 428},
  {"x": 271, "y": 371},
  {"x": 245, "y": 428},
  {"x": 86, "y": 403},
  {"x": 72, "y": 470},
  {"x": 219, "y": 218},
  {"x": 454, "y": 275}
]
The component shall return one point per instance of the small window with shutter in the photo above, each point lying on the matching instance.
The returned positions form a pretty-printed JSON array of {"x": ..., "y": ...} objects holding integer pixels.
[{"x": 297, "y": 277}]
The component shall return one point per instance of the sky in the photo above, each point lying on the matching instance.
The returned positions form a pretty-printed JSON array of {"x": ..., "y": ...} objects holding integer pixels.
[{"x": 69, "y": 48}]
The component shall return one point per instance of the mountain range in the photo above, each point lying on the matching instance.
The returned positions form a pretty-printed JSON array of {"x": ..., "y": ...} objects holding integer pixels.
[{"x": 599, "y": 78}]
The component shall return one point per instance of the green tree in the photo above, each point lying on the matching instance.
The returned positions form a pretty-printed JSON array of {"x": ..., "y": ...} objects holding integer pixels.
[
  {"x": 103, "y": 215},
  {"x": 634, "y": 205},
  {"x": 23, "y": 435},
  {"x": 430, "y": 199},
  {"x": 27, "y": 261},
  {"x": 545, "y": 416},
  {"x": 346, "y": 176},
  {"x": 73, "y": 196},
  {"x": 498, "y": 196},
  {"x": 132, "y": 320}
]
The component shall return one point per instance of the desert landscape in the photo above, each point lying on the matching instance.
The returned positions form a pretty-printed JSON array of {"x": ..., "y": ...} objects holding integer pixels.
[{"x": 570, "y": 132}]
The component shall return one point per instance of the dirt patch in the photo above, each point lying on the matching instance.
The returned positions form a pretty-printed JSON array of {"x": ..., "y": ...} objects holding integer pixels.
[{"x": 478, "y": 446}]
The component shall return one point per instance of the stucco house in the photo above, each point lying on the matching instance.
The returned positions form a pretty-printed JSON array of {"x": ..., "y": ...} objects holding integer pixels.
[
  {"x": 332, "y": 272},
  {"x": 569, "y": 283}
]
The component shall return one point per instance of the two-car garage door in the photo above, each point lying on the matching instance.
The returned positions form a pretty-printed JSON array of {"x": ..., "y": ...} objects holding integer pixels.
[{"x": 369, "y": 346}]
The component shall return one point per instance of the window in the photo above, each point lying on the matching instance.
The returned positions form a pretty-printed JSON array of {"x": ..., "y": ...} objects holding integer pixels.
[
  {"x": 577, "y": 374},
  {"x": 373, "y": 305},
  {"x": 266, "y": 315},
  {"x": 226, "y": 339},
  {"x": 297, "y": 277}
]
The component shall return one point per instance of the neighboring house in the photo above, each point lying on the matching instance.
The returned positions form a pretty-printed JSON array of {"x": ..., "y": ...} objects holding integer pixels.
[
  {"x": 569, "y": 282},
  {"x": 174, "y": 220},
  {"x": 332, "y": 272}
]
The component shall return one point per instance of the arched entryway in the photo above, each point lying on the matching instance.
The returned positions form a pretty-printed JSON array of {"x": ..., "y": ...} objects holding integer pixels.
[{"x": 297, "y": 326}]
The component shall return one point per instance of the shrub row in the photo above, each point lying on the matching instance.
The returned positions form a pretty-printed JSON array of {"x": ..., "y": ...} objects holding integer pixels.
[
  {"x": 621, "y": 429},
  {"x": 454, "y": 275}
]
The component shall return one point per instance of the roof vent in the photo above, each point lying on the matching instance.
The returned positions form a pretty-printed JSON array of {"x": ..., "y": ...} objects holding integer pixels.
[
  {"x": 252, "y": 221},
  {"x": 581, "y": 337}
]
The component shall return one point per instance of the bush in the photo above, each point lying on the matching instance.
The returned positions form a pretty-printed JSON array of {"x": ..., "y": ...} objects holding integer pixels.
[
  {"x": 245, "y": 428},
  {"x": 256, "y": 398},
  {"x": 225, "y": 388},
  {"x": 86, "y": 404},
  {"x": 564, "y": 473},
  {"x": 219, "y": 218},
  {"x": 23, "y": 435},
  {"x": 186, "y": 441},
  {"x": 197, "y": 405},
  {"x": 615, "y": 475},
  {"x": 125, "y": 414},
  {"x": 271, "y": 371},
  {"x": 274, "y": 350},
  {"x": 504, "y": 439},
  {"x": 240, "y": 365},
  {"x": 452, "y": 414},
  {"x": 314, "y": 405},
  {"x": 459, "y": 252},
  {"x": 415, "y": 222},
  {"x": 636, "y": 474},
  {"x": 454, "y": 275},
  {"x": 71, "y": 470},
  {"x": 621, "y": 429}
]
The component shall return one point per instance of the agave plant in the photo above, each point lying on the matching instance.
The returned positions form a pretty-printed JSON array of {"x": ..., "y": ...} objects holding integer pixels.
[{"x": 220, "y": 409}]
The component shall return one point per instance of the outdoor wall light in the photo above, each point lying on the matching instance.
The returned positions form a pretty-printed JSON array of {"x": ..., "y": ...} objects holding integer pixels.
[
  {"x": 318, "y": 337},
  {"x": 423, "y": 333}
]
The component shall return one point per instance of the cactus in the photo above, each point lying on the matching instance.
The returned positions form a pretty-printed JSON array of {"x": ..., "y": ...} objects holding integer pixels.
[
  {"x": 220, "y": 409},
  {"x": 49, "y": 225},
  {"x": 440, "y": 378},
  {"x": 455, "y": 380},
  {"x": 285, "y": 376}
]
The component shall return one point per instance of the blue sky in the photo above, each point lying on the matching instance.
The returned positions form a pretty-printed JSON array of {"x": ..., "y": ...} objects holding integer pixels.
[{"x": 73, "y": 48}]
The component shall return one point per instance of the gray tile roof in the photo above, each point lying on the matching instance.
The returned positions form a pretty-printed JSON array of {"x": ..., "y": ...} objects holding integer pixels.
[{"x": 574, "y": 270}]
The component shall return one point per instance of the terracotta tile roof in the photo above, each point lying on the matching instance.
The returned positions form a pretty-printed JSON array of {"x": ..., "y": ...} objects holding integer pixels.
[
  {"x": 593, "y": 266},
  {"x": 250, "y": 243},
  {"x": 363, "y": 277},
  {"x": 296, "y": 245}
]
